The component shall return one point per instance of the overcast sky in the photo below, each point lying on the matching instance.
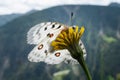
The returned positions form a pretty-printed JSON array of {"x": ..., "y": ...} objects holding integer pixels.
[{"x": 22, "y": 6}]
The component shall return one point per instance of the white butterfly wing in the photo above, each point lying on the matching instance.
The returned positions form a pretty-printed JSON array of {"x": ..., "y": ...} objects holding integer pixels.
[
  {"x": 42, "y": 31},
  {"x": 83, "y": 49},
  {"x": 39, "y": 52},
  {"x": 34, "y": 35},
  {"x": 56, "y": 57}
]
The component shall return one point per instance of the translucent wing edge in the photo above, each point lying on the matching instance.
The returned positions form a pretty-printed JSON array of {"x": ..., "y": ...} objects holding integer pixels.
[{"x": 33, "y": 34}]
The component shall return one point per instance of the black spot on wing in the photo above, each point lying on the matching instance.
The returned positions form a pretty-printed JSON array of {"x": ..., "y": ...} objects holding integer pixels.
[
  {"x": 41, "y": 25},
  {"x": 48, "y": 34},
  {"x": 46, "y": 25},
  {"x": 45, "y": 51},
  {"x": 58, "y": 26},
  {"x": 53, "y": 25},
  {"x": 45, "y": 28},
  {"x": 80, "y": 44}
]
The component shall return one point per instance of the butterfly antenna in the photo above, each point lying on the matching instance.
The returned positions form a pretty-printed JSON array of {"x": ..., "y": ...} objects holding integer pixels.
[{"x": 71, "y": 18}]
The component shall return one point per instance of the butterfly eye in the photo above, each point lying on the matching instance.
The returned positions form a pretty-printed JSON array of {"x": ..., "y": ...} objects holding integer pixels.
[
  {"x": 73, "y": 28},
  {"x": 57, "y": 54},
  {"x": 50, "y": 35},
  {"x": 40, "y": 46}
]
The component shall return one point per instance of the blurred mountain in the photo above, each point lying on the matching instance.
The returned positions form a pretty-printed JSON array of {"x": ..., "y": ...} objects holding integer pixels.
[
  {"x": 101, "y": 23},
  {"x": 115, "y": 4},
  {"x": 7, "y": 18}
]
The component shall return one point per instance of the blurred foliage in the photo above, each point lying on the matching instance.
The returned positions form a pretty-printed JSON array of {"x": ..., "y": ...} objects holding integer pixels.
[
  {"x": 118, "y": 76},
  {"x": 108, "y": 39},
  {"x": 110, "y": 78},
  {"x": 60, "y": 75},
  {"x": 101, "y": 41}
]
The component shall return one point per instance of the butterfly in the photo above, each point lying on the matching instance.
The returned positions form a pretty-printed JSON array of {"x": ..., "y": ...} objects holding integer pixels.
[{"x": 41, "y": 35}]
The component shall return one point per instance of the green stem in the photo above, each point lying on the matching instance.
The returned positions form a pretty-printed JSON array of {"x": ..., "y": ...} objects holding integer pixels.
[{"x": 84, "y": 66}]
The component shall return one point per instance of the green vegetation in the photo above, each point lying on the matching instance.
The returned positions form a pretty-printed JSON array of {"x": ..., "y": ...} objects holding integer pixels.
[{"x": 60, "y": 75}]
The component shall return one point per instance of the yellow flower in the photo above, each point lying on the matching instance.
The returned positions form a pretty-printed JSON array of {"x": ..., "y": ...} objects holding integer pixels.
[{"x": 69, "y": 39}]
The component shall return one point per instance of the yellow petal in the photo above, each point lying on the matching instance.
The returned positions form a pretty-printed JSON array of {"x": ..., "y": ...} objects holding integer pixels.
[
  {"x": 65, "y": 37},
  {"x": 62, "y": 44},
  {"x": 74, "y": 36},
  {"x": 67, "y": 40},
  {"x": 61, "y": 35},
  {"x": 70, "y": 29},
  {"x": 64, "y": 34},
  {"x": 53, "y": 43},
  {"x": 81, "y": 31},
  {"x": 77, "y": 37},
  {"x": 70, "y": 33},
  {"x": 76, "y": 29},
  {"x": 56, "y": 48},
  {"x": 70, "y": 37},
  {"x": 60, "y": 39}
]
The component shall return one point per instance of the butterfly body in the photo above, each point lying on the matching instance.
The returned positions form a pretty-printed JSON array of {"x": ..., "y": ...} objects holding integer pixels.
[{"x": 41, "y": 35}]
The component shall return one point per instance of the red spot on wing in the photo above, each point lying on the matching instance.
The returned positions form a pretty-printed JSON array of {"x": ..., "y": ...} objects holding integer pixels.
[
  {"x": 40, "y": 46},
  {"x": 57, "y": 54}
]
